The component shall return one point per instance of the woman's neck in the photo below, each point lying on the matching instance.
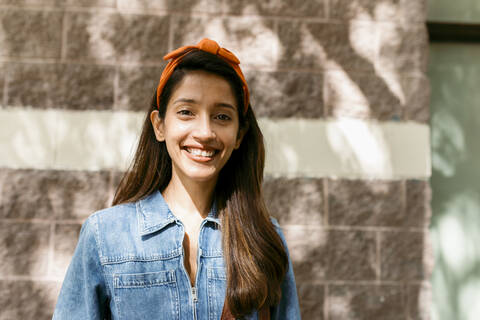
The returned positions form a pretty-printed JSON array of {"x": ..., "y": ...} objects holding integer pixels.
[{"x": 187, "y": 198}]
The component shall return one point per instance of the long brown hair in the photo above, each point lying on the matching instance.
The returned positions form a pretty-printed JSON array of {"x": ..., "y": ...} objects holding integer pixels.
[{"x": 254, "y": 255}]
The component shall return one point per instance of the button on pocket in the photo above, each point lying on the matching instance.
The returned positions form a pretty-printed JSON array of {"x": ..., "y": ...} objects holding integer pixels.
[
  {"x": 152, "y": 295},
  {"x": 217, "y": 283}
]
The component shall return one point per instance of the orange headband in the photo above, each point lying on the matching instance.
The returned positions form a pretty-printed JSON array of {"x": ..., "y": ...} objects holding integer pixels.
[{"x": 206, "y": 45}]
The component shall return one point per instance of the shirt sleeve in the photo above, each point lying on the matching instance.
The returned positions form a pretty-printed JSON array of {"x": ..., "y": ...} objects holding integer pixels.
[
  {"x": 83, "y": 294},
  {"x": 288, "y": 308}
]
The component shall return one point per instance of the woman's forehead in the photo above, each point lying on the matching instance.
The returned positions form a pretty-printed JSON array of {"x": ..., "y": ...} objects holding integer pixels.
[{"x": 204, "y": 86}]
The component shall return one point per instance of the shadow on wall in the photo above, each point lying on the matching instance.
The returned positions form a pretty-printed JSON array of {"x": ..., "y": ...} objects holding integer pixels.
[
  {"x": 375, "y": 269},
  {"x": 40, "y": 212},
  {"x": 357, "y": 64}
]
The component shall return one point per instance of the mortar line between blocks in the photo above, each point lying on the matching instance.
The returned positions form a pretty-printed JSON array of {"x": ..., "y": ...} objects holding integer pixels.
[
  {"x": 327, "y": 9},
  {"x": 207, "y": 14},
  {"x": 223, "y": 8},
  {"x": 51, "y": 245},
  {"x": 63, "y": 41},
  {"x": 325, "y": 202},
  {"x": 403, "y": 189},
  {"x": 370, "y": 282},
  {"x": 161, "y": 63},
  {"x": 116, "y": 80},
  {"x": 6, "y": 79},
  {"x": 378, "y": 254},
  {"x": 30, "y": 278},
  {"x": 357, "y": 228},
  {"x": 325, "y": 301},
  {"x": 170, "y": 33},
  {"x": 43, "y": 221},
  {"x": 373, "y": 282},
  {"x": 56, "y": 138},
  {"x": 406, "y": 301}
]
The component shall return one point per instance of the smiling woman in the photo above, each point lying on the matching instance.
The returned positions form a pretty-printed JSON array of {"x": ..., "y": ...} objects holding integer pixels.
[
  {"x": 188, "y": 236},
  {"x": 200, "y": 127}
]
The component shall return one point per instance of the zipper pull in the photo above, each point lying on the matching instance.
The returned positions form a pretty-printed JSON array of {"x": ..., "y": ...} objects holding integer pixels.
[{"x": 194, "y": 294}]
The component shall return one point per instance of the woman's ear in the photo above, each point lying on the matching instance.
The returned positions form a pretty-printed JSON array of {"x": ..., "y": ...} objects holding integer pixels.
[
  {"x": 240, "y": 135},
  {"x": 158, "y": 125}
]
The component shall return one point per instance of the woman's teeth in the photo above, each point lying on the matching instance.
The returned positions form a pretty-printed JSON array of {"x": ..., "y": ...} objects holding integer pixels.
[{"x": 198, "y": 152}]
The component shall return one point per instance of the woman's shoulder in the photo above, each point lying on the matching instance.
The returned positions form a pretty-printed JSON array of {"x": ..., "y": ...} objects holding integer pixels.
[
  {"x": 119, "y": 212},
  {"x": 111, "y": 220},
  {"x": 114, "y": 229},
  {"x": 116, "y": 212},
  {"x": 98, "y": 229}
]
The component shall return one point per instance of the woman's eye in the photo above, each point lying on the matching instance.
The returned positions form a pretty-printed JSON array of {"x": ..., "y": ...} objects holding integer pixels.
[
  {"x": 185, "y": 112},
  {"x": 223, "y": 117}
]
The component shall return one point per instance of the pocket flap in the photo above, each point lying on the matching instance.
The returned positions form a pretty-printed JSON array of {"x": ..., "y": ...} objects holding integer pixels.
[{"x": 144, "y": 279}]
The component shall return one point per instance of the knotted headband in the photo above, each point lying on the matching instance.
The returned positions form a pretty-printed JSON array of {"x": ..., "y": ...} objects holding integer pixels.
[{"x": 206, "y": 45}]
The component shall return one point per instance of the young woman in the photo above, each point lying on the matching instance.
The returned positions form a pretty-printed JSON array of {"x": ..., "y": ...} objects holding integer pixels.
[{"x": 189, "y": 236}]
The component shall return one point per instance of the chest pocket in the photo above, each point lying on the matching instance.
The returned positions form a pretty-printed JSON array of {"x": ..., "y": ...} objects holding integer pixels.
[
  {"x": 139, "y": 295},
  {"x": 216, "y": 287}
]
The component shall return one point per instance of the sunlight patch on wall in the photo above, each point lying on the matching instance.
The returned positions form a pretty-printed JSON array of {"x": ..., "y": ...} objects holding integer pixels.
[
  {"x": 101, "y": 47},
  {"x": 360, "y": 145},
  {"x": 385, "y": 9},
  {"x": 363, "y": 39},
  {"x": 469, "y": 298},
  {"x": 340, "y": 306},
  {"x": 249, "y": 38},
  {"x": 311, "y": 47},
  {"x": 343, "y": 90},
  {"x": 458, "y": 233}
]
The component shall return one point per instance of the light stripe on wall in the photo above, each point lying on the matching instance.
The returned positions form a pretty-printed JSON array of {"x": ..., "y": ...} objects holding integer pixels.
[
  {"x": 96, "y": 140},
  {"x": 347, "y": 148}
]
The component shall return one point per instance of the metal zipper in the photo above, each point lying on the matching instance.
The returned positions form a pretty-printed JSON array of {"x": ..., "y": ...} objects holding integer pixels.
[
  {"x": 193, "y": 290},
  {"x": 194, "y": 297},
  {"x": 194, "y": 294}
]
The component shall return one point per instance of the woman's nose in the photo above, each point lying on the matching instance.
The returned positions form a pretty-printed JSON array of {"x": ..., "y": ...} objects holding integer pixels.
[{"x": 204, "y": 129}]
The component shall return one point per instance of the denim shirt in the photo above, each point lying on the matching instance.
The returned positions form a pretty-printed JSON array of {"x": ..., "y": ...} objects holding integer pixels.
[{"x": 129, "y": 264}]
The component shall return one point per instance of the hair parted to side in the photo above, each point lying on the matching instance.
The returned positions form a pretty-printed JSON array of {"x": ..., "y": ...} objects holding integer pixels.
[{"x": 254, "y": 255}]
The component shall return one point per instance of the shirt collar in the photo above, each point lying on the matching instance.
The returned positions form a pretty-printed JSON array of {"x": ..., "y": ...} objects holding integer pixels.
[{"x": 153, "y": 214}]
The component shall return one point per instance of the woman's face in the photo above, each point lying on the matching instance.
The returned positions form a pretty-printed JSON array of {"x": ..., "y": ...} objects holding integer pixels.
[{"x": 200, "y": 128}]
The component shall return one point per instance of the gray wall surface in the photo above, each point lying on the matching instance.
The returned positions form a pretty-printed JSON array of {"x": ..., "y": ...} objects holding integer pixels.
[
  {"x": 359, "y": 246},
  {"x": 466, "y": 11},
  {"x": 454, "y": 72}
]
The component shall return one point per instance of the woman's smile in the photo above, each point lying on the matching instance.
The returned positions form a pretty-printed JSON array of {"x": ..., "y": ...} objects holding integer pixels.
[{"x": 201, "y": 155}]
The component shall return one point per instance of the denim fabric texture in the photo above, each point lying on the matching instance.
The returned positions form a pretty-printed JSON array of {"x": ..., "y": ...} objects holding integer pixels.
[{"x": 129, "y": 264}]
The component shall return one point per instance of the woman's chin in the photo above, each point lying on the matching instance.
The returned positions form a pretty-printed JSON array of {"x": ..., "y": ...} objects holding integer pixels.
[{"x": 202, "y": 177}]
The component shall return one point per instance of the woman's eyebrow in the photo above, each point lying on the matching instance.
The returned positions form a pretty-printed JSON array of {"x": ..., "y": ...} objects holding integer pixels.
[
  {"x": 225, "y": 105},
  {"x": 187, "y": 100},
  {"x": 193, "y": 101}
]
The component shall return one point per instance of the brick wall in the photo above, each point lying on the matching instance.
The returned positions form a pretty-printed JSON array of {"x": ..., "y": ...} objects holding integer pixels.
[{"x": 360, "y": 246}]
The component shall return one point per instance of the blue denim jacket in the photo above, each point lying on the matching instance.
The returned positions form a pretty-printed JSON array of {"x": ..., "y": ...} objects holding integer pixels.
[{"x": 129, "y": 264}]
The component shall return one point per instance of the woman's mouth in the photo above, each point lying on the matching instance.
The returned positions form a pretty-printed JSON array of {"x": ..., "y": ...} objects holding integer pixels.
[{"x": 201, "y": 154}]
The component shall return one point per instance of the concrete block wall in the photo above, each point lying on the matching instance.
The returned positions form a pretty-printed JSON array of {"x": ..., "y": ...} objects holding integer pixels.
[{"x": 359, "y": 242}]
